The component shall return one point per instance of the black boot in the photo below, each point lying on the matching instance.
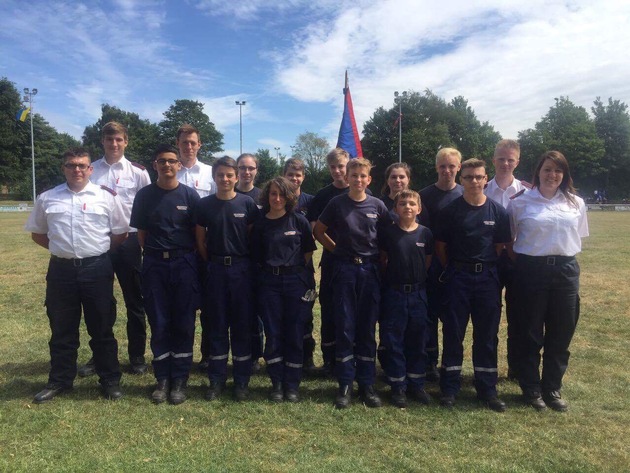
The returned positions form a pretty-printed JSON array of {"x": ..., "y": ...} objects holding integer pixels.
[
  {"x": 160, "y": 394},
  {"x": 344, "y": 396}
]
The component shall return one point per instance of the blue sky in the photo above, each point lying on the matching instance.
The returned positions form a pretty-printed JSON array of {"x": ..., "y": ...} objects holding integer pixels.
[{"x": 287, "y": 59}]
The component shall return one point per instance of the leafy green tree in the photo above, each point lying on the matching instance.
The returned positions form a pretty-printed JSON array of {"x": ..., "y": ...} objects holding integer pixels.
[
  {"x": 267, "y": 167},
  {"x": 13, "y": 135},
  {"x": 312, "y": 149},
  {"x": 612, "y": 123},
  {"x": 191, "y": 112}
]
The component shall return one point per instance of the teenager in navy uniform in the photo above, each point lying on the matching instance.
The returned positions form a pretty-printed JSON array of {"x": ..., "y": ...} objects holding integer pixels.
[
  {"x": 501, "y": 189},
  {"x": 197, "y": 175},
  {"x": 295, "y": 172},
  {"x": 163, "y": 213},
  {"x": 353, "y": 219},
  {"x": 79, "y": 222},
  {"x": 405, "y": 253},
  {"x": 223, "y": 222},
  {"x": 126, "y": 178},
  {"x": 548, "y": 223},
  {"x": 434, "y": 198},
  {"x": 471, "y": 233},
  {"x": 282, "y": 247}
]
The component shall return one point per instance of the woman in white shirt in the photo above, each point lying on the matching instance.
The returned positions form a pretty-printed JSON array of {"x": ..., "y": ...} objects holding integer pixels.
[{"x": 548, "y": 223}]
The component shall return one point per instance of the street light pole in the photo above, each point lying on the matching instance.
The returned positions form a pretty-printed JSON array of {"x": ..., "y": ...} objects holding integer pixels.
[
  {"x": 240, "y": 104},
  {"x": 29, "y": 96},
  {"x": 277, "y": 148},
  {"x": 399, "y": 98}
]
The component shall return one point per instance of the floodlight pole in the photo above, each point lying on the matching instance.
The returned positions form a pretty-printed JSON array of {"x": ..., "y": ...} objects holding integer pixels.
[
  {"x": 240, "y": 104},
  {"x": 398, "y": 98},
  {"x": 277, "y": 148},
  {"x": 29, "y": 97}
]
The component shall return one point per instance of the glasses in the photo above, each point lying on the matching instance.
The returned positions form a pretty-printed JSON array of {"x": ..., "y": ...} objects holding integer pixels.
[
  {"x": 247, "y": 168},
  {"x": 170, "y": 162},
  {"x": 72, "y": 167},
  {"x": 477, "y": 177}
]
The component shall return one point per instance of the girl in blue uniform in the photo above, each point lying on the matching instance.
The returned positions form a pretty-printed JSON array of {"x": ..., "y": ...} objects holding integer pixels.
[{"x": 282, "y": 245}]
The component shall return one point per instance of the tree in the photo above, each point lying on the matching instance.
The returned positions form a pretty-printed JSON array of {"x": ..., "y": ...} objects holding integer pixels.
[
  {"x": 612, "y": 123},
  {"x": 13, "y": 135},
  {"x": 191, "y": 112},
  {"x": 569, "y": 129},
  {"x": 267, "y": 167},
  {"x": 312, "y": 149}
]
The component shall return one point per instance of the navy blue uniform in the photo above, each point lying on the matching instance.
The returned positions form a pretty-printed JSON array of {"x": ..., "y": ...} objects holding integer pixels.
[
  {"x": 471, "y": 233},
  {"x": 278, "y": 247},
  {"x": 228, "y": 293},
  {"x": 433, "y": 201},
  {"x": 355, "y": 284},
  {"x": 404, "y": 319},
  {"x": 170, "y": 282}
]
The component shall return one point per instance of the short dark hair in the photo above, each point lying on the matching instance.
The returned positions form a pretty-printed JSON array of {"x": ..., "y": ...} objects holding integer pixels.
[
  {"x": 75, "y": 153},
  {"x": 474, "y": 163},
  {"x": 287, "y": 190},
  {"x": 165, "y": 148},
  {"x": 294, "y": 163},
  {"x": 113, "y": 128},
  {"x": 226, "y": 161},
  {"x": 407, "y": 194},
  {"x": 187, "y": 129}
]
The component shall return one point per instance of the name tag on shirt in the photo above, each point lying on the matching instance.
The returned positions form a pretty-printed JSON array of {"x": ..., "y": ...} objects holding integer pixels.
[
  {"x": 239, "y": 215},
  {"x": 290, "y": 233},
  {"x": 488, "y": 222},
  {"x": 371, "y": 215},
  {"x": 420, "y": 244},
  {"x": 182, "y": 207}
]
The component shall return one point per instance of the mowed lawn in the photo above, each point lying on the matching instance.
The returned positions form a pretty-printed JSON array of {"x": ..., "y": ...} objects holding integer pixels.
[{"x": 80, "y": 431}]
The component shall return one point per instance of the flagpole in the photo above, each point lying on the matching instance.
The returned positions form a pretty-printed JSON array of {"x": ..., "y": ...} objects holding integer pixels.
[
  {"x": 29, "y": 93},
  {"x": 398, "y": 98}
]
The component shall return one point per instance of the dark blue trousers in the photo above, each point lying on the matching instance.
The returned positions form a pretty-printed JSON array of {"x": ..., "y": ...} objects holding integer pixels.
[
  {"x": 229, "y": 302},
  {"x": 474, "y": 296},
  {"x": 328, "y": 333},
  {"x": 284, "y": 315},
  {"x": 548, "y": 311},
  {"x": 403, "y": 331},
  {"x": 506, "y": 278},
  {"x": 437, "y": 297},
  {"x": 170, "y": 288},
  {"x": 356, "y": 299},
  {"x": 70, "y": 289}
]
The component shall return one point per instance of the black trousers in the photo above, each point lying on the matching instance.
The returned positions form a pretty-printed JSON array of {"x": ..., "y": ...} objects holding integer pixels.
[
  {"x": 506, "y": 270},
  {"x": 548, "y": 308},
  {"x": 127, "y": 262},
  {"x": 73, "y": 285}
]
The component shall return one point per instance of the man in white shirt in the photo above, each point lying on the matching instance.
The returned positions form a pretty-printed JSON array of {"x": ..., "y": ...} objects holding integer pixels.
[
  {"x": 78, "y": 222},
  {"x": 126, "y": 178},
  {"x": 503, "y": 187}
]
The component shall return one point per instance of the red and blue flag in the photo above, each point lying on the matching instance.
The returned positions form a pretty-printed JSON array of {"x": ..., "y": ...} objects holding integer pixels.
[{"x": 348, "y": 134}]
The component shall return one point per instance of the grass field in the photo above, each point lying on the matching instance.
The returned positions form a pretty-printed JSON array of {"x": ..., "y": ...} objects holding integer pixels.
[{"x": 82, "y": 432}]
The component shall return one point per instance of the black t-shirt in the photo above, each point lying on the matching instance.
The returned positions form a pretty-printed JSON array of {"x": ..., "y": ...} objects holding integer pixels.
[
  {"x": 282, "y": 241},
  {"x": 389, "y": 203},
  {"x": 434, "y": 200},
  {"x": 304, "y": 201},
  {"x": 321, "y": 199},
  {"x": 167, "y": 215},
  {"x": 354, "y": 224},
  {"x": 407, "y": 252},
  {"x": 226, "y": 223},
  {"x": 254, "y": 194},
  {"x": 470, "y": 232}
]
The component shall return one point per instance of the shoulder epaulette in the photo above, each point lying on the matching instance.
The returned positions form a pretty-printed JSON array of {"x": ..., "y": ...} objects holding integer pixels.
[
  {"x": 111, "y": 191},
  {"x": 519, "y": 193},
  {"x": 526, "y": 184},
  {"x": 138, "y": 165}
]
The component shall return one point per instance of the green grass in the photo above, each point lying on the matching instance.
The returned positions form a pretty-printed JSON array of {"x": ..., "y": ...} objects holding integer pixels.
[{"x": 82, "y": 432}]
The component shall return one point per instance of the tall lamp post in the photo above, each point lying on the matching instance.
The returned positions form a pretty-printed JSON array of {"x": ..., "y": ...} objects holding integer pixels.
[
  {"x": 28, "y": 97},
  {"x": 398, "y": 98},
  {"x": 277, "y": 148},
  {"x": 240, "y": 104}
]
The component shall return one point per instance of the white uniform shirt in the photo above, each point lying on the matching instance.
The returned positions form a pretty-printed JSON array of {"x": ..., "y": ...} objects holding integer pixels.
[
  {"x": 123, "y": 177},
  {"x": 547, "y": 227},
  {"x": 199, "y": 177},
  {"x": 77, "y": 224},
  {"x": 503, "y": 196}
]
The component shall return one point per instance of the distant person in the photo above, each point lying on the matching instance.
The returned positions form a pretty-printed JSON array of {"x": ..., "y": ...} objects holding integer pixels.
[
  {"x": 397, "y": 178},
  {"x": 405, "y": 254},
  {"x": 548, "y": 223},
  {"x": 163, "y": 213},
  {"x": 126, "y": 178},
  {"x": 501, "y": 189},
  {"x": 282, "y": 247},
  {"x": 434, "y": 199},
  {"x": 197, "y": 175},
  {"x": 79, "y": 222},
  {"x": 472, "y": 231},
  {"x": 353, "y": 219},
  {"x": 223, "y": 222}
]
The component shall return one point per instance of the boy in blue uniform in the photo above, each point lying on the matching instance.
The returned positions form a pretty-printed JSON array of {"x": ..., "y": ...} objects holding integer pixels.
[
  {"x": 163, "y": 213},
  {"x": 406, "y": 250},
  {"x": 223, "y": 223},
  {"x": 353, "y": 219},
  {"x": 472, "y": 231}
]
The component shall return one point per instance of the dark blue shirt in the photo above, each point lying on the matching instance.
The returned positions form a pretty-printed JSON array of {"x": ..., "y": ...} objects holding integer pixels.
[
  {"x": 434, "y": 200},
  {"x": 406, "y": 254},
  {"x": 282, "y": 241},
  {"x": 303, "y": 203}
]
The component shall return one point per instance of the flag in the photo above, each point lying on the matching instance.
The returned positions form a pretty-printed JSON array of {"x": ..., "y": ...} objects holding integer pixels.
[
  {"x": 22, "y": 114},
  {"x": 348, "y": 134}
]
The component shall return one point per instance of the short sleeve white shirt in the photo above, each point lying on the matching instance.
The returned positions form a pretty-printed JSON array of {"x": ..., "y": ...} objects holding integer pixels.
[
  {"x": 501, "y": 196},
  {"x": 199, "y": 177},
  {"x": 123, "y": 177},
  {"x": 547, "y": 227},
  {"x": 78, "y": 224}
]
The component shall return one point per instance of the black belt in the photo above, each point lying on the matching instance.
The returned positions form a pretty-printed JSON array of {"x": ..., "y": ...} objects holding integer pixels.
[
  {"x": 227, "y": 260},
  {"x": 277, "y": 270},
  {"x": 546, "y": 260},
  {"x": 407, "y": 288},
  {"x": 358, "y": 259},
  {"x": 77, "y": 262},
  {"x": 472, "y": 267},
  {"x": 167, "y": 254}
]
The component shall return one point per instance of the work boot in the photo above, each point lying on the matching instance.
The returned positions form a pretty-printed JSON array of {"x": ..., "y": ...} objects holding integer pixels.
[
  {"x": 276, "y": 394},
  {"x": 291, "y": 395},
  {"x": 534, "y": 399},
  {"x": 398, "y": 397},
  {"x": 160, "y": 394},
  {"x": 112, "y": 390},
  {"x": 368, "y": 396},
  {"x": 419, "y": 395},
  {"x": 344, "y": 396},
  {"x": 49, "y": 393},
  {"x": 215, "y": 390},
  {"x": 241, "y": 393},
  {"x": 554, "y": 400},
  {"x": 178, "y": 391},
  {"x": 138, "y": 366}
]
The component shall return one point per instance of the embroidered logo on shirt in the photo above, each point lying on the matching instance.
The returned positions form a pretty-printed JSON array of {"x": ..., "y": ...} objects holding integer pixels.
[
  {"x": 239, "y": 215},
  {"x": 371, "y": 215},
  {"x": 420, "y": 244},
  {"x": 182, "y": 207},
  {"x": 290, "y": 233},
  {"x": 488, "y": 222}
]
